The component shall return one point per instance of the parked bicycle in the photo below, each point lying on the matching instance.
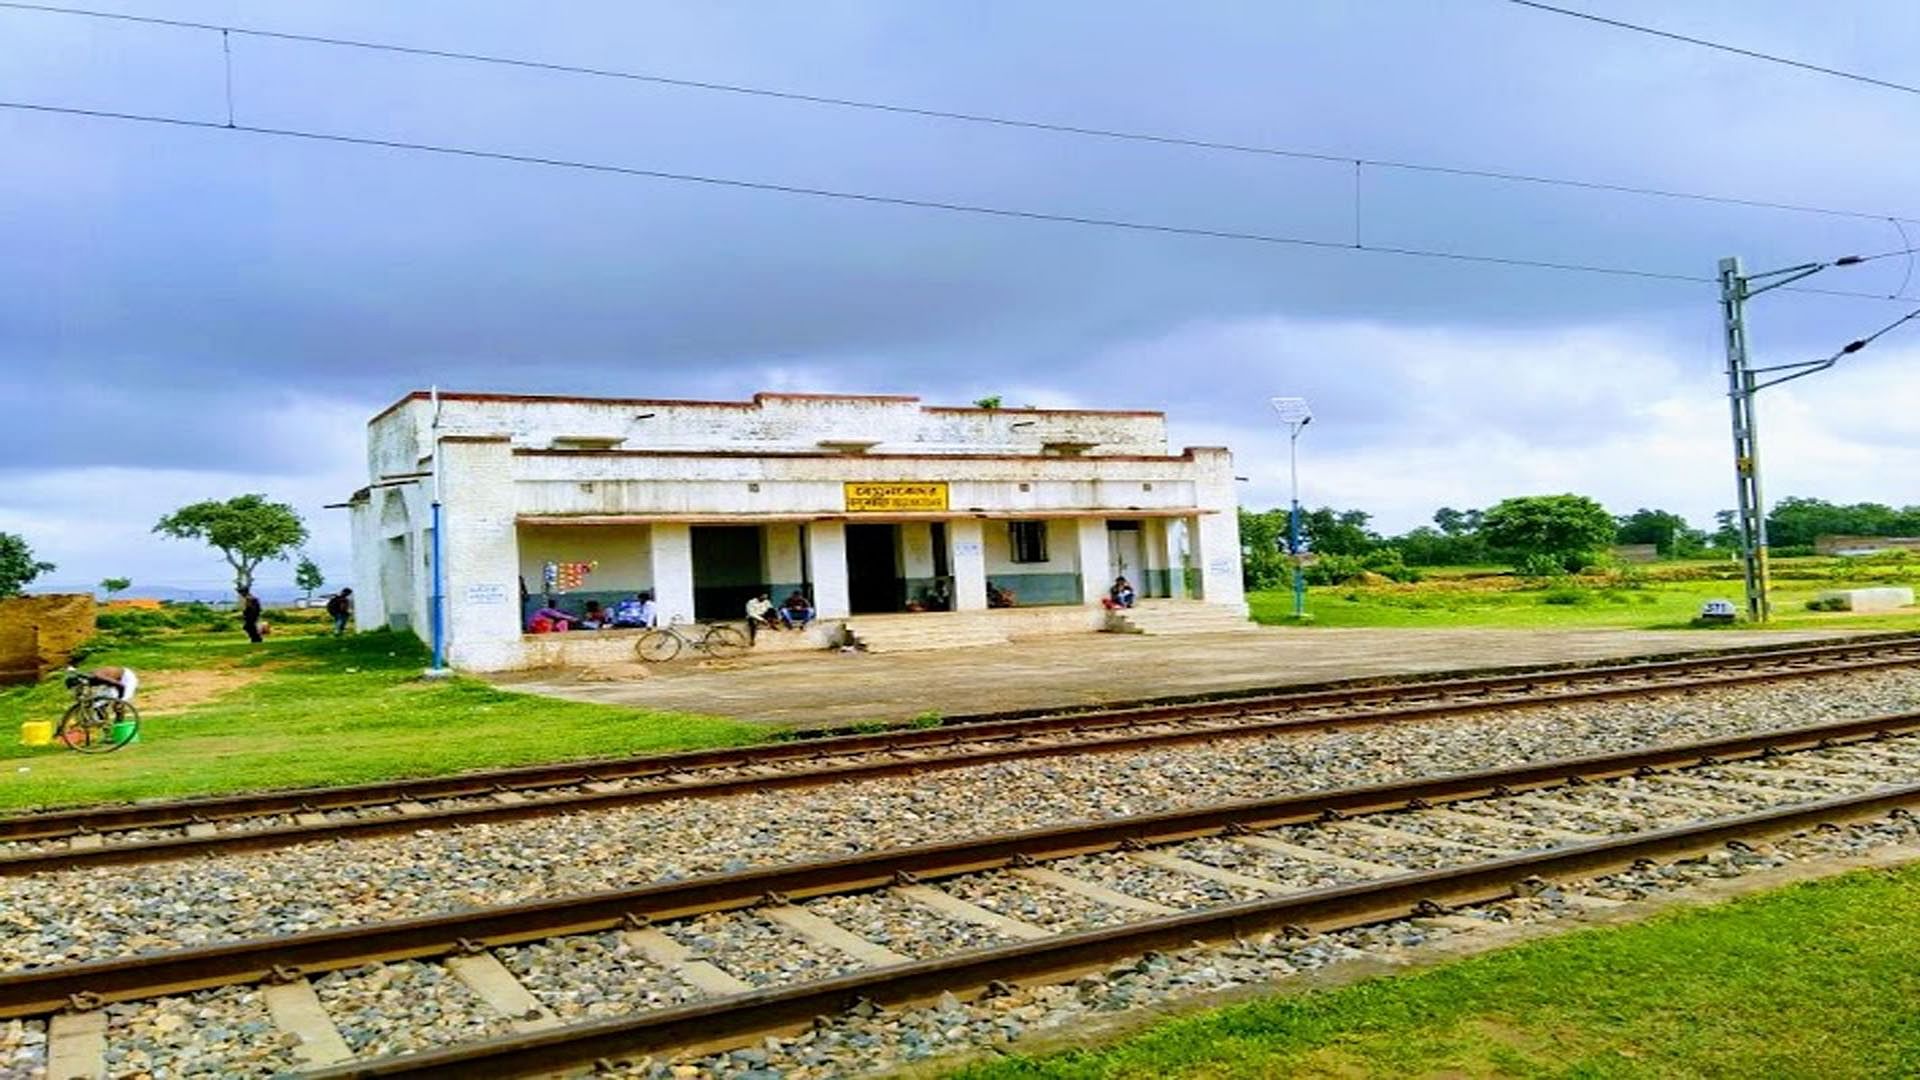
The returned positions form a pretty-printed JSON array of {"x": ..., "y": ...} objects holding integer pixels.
[
  {"x": 719, "y": 640},
  {"x": 100, "y": 720}
]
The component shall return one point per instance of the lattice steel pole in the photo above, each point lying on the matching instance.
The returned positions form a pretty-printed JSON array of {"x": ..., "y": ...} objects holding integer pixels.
[{"x": 1751, "y": 511}]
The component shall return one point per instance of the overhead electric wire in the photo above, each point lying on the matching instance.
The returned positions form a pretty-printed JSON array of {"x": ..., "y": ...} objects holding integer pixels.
[
  {"x": 1024, "y": 123},
  {"x": 888, "y": 200},
  {"x": 1721, "y": 46}
]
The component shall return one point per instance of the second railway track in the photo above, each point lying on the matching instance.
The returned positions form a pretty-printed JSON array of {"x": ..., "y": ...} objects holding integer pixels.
[
  {"x": 150, "y": 832},
  {"x": 1310, "y": 862}
]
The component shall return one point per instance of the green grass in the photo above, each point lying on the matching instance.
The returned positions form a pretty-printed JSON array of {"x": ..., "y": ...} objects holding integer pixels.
[
  {"x": 320, "y": 710},
  {"x": 1818, "y": 980},
  {"x": 1662, "y": 597}
]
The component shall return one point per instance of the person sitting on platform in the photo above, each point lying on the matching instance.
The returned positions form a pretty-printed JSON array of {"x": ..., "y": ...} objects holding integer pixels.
[
  {"x": 595, "y": 617},
  {"x": 760, "y": 612},
  {"x": 550, "y": 619},
  {"x": 797, "y": 612},
  {"x": 1121, "y": 595},
  {"x": 634, "y": 612},
  {"x": 999, "y": 596}
]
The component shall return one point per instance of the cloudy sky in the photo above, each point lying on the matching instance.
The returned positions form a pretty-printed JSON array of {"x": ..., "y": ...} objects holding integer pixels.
[{"x": 189, "y": 313}]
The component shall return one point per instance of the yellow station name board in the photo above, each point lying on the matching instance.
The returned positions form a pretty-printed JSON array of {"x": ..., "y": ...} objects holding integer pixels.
[{"x": 871, "y": 497}]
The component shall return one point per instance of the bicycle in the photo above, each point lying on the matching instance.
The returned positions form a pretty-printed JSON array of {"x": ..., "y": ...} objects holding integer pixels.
[
  {"x": 719, "y": 641},
  {"x": 97, "y": 722}
]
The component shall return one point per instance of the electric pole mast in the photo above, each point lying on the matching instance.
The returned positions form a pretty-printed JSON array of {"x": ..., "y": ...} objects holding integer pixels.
[
  {"x": 1736, "y": 288},
  {"x": 1751, "y": 514}
]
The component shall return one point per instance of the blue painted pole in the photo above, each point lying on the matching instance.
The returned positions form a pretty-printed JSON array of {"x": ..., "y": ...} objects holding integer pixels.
[{"x": 439, "y": 596}]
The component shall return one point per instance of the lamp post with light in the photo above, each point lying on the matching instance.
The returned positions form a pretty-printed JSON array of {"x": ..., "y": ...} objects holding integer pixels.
[{"x": 1296, "y": 415}]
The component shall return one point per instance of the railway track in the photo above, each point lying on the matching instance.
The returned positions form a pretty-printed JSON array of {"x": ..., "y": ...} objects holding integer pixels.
[
  {"x": 153, "y": 832},
  {"x": 1302, "y": 863}
]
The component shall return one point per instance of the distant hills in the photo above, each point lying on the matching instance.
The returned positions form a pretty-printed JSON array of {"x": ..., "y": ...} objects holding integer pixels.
[{"x": 269, "y": 594}]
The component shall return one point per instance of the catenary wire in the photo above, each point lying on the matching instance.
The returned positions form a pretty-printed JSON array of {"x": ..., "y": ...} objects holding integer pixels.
[
  {"x": 1721, "y": 46},
  {"x": 1087, "y": 131},
  {"x": 874, "y": 198}
]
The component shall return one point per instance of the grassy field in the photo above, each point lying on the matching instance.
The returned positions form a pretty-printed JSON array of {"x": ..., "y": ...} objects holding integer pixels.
[
  {"x": 311, "y": 709},
  {"x": 1819, "y": 980},
  {"x": 1661, "y": 596}
]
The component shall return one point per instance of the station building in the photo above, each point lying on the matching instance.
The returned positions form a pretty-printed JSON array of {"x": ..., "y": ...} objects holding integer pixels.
[{"x": 868, "y": 505}]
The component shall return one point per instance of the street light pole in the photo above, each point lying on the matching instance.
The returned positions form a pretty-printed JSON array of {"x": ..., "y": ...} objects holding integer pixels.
[{"x": 1296, "y": 415}]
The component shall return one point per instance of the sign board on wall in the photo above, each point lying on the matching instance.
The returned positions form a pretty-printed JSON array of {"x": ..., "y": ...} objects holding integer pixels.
[
  {"x": 872, "y": 497},
  {"x": 486, "y": 594}
]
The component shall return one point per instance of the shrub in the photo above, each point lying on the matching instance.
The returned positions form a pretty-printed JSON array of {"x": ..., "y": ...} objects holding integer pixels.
[
  {"x": 1568, "y": 595},
  {"x": 1829, "y": 603},
  {"x": 1541, "y": 565}
]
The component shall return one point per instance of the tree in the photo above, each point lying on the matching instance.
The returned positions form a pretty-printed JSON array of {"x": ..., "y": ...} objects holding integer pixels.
[
  {"x": 115, "y": 584},
  {"x": 1668, "y": 532},
  {"x": 17, "y": 565},
  {"x": 1263, "y": 549},
  {"x": 1457, "y": 522},
  {"x": 307, "y": 576},
  {"x": 1569, "y": 530},
  {"x": 1337, "y": 532},
  {"x": 991, "y": 402},
  {"x": 247, "y": 530}
]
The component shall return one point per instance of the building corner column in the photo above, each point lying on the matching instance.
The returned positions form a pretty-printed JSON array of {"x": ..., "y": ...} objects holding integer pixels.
[
  {"x": 1216, "y": 534},
  {"x": 480, "y": 544}
]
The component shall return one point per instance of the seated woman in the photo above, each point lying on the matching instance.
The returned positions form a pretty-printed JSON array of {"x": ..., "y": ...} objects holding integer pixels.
[{"x": 549, "y": 619}]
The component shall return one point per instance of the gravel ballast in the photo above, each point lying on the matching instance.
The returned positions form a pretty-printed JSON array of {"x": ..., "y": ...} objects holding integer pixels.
[{"x": 342, "y": 883}]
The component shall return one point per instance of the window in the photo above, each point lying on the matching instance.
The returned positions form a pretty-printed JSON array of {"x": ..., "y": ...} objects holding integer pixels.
[{"x": 1028, "y": 539}]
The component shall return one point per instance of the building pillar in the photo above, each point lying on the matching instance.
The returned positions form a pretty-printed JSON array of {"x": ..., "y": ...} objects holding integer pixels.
[
  {"x": 1172, "y": 539},
  {"x": 1153, "y": 558},
  {"x": 671, "y": 552},
  {"x": 1095, "y": 558},
  {"x": 480, "y": 544},
  {"x": 827, "y": 559},
  {"x": 967, "y": 556},
  {"x": 1216, "y": 551}
]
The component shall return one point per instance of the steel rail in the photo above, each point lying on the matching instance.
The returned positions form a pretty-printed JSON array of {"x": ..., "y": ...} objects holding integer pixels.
[
  {"x": 58, "y": 824},
  {"x": 736, "y": 1019},
  {"x": 41, "y": 990},
  {"x": 247, "y": 840}
]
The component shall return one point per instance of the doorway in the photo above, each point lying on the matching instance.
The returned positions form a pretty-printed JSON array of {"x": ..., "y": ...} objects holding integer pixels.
[
  {"x": 726, "y": 570},
  {"x": 873, "y": 569},
  {"x": 1125, "y": 555}
]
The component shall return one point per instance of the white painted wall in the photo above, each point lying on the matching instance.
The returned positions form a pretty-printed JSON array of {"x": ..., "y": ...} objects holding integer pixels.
[
  {"x": 623, "y": 552},
  {"x": 743, "y": 459}
]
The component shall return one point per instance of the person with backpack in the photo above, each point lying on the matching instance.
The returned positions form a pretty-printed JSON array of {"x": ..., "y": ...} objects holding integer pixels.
[{"x": 340, "y": 606}]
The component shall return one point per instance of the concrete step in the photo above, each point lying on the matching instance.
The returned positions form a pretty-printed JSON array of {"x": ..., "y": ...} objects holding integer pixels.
[
  {"x": 925, "y": 630},
  {"x": 1184, "y": 618}
]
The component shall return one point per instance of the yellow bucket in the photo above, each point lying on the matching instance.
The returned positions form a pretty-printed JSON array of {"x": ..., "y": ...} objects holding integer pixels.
[{"x": 36, "y": 733}]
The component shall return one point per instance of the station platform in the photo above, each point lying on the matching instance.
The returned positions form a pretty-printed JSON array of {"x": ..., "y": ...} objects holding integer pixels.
[{"x": 805, "y": 690}]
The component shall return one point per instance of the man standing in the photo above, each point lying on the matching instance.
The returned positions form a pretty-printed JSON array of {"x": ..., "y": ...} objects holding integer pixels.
[
  {"x": 340, "y": 606},
  {"x": 250, "y": 615}
]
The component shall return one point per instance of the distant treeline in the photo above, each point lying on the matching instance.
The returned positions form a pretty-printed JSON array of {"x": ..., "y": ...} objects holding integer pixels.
[{"x": 1538, "y": 534}]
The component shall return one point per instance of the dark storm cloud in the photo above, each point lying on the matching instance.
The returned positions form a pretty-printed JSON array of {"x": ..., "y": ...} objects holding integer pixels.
[{"x": 172, "y": 285}]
